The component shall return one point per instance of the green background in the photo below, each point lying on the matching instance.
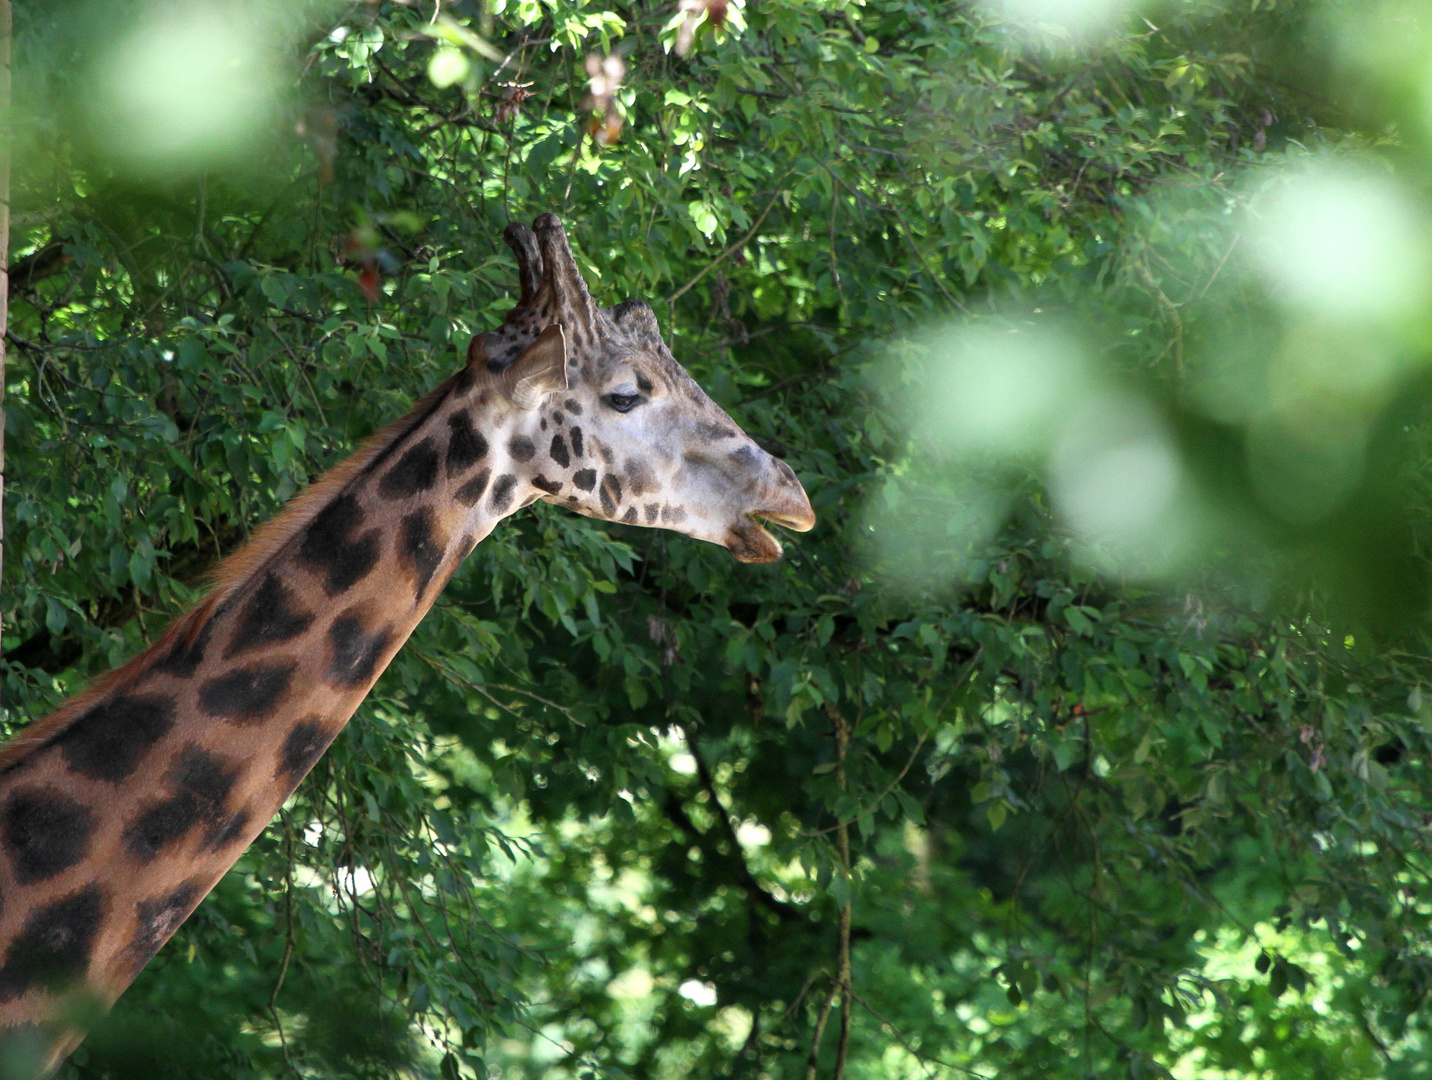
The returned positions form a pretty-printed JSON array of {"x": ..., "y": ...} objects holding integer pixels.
[{"x": 1071, "y": 805}]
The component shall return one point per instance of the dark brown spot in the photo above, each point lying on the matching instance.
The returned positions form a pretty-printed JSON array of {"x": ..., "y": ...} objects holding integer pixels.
[
  {"x": 585, "y": 479},
  {"x": 45, "y": 832},
  {"x": 157, "y": 920},
  {"x": 551, "y": 487},
  {"x": 188, "y": 653},
  {"x": 639, "y": 477},
  {"x": 502, "y": 492},
  {"x": 415, "y": 472},
  {"x": 224, "y": 833},
  {"x": 630, "y": 516},
  {"x": 200, "y": 783},
  {"x": 653, "y": 511},
  {"x": 576, "y": 437},
  {"x": 466, "y": 447},
  {"x": 206, "y": 777},
  {"x": 558, "y": 418},
  {"x": 248, "y": 695},
  {"x": 609, "y": 504},
  {"x": 472, "y": 490},
  {"x": 715, "y": 431},
  {"x": 108, "y": 742},
  {"x": 521, "y": 448},
  {"x": 419, "y": 548},
  {"x": 53, "y": 947},
  {"x": 303, "y": 747},
  {"x": 559, "y": 451},
  {"x": 672, "y": 515},
  {"x": 573, "y": 406},
  {"x": 329, "y": 545},
  {"x": 270, "y": 616},
  {"x": 161, "y": 824},
  {"x": 355, "y": 652}
]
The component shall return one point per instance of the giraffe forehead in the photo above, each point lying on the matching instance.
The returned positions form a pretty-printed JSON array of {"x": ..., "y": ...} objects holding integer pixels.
[{"x": 642, "y": 364}]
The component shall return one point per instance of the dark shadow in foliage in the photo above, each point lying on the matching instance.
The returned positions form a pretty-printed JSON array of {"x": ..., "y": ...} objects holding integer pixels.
[
  {"x": 359, "y": 1034},
  {"x": 131, "y": 1044}
]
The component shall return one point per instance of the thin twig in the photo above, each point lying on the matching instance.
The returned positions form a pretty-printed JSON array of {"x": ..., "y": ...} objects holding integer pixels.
[
  {"x": 911, "y": 1050},
  {"x": 1219, "y": 268},
  {"x": 811, "y": 1061},
  {"x": 834, "y": 265},
  {"x": 842, "y": 744},
  {"x": 288, "y": 937},
  {"x": 737, "y": 246},
  {"x": 1169, "y": 310},
  {"x": 874, "y": 804}
]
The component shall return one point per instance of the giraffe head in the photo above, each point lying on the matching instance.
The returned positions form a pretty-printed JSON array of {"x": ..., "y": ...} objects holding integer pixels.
[{"x": 611, "y": 426}]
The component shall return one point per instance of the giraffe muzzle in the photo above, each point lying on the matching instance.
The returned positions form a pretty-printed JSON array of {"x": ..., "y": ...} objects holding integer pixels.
[
  {"x": 787, "y": 506},
  {"x": 785, "y": 502}
]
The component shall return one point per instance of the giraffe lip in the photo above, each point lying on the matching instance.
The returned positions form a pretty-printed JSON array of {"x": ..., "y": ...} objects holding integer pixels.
[
  {"x": 796, "y": 523},
  {"x": 750, "y": 543}
]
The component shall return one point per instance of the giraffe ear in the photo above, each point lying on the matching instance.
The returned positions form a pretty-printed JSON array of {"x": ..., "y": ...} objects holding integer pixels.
[{"x": 539, "y": 371}]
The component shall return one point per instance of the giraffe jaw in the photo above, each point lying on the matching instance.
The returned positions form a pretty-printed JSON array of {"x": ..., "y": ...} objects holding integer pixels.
[{"x": 750, "y": 542}]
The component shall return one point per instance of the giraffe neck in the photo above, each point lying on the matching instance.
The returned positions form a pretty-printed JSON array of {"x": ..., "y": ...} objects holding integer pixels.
[{"x": 122, "y": 810}]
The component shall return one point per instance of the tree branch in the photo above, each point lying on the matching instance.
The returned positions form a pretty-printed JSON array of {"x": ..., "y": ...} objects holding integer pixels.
[{"x": 737, "y": 246}]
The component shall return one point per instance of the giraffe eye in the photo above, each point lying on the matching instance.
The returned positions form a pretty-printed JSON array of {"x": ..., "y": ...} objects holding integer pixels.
[{"x": 623, "y": 402}]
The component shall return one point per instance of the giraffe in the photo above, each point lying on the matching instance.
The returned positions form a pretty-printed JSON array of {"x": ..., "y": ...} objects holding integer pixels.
[{"x": 122, "y": 809}]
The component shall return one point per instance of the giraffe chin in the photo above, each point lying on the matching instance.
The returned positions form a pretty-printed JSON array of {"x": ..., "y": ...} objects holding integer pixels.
[{"x": 750, "y": 543}]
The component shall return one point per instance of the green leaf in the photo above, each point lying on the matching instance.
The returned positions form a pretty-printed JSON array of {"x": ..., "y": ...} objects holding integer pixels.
[
  {"x": 997, "y": 812},
  {"x": 139, "y": 569},
  {"x": 1278, "y": 980}
]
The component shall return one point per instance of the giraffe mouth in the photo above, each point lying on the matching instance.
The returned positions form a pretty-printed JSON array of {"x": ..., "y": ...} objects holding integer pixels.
[{"x": 750, "y": 542}]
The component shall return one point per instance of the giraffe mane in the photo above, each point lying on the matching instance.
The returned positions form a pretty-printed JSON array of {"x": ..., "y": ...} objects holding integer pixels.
[{"x": 231, "y": 575}]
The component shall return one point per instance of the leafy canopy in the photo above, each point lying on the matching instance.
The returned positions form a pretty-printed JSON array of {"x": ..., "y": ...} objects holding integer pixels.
[{"x": 1085, "y": 736}]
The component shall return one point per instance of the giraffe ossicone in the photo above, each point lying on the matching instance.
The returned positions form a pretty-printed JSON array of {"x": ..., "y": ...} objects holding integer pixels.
[{"x": 122, "y": 809}]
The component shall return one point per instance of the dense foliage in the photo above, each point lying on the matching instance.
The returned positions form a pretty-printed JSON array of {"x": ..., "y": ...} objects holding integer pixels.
[{"x": 1083, "y": 737}]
